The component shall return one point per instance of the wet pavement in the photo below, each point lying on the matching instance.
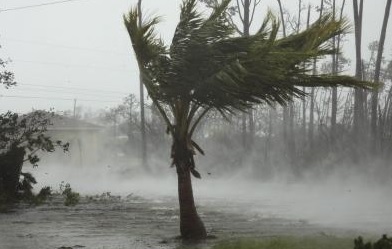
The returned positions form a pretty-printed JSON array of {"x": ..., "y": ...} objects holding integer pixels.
[{"x": 148, "y": 218}]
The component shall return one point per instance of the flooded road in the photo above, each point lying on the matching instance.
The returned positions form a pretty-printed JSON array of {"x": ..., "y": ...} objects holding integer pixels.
[
  {"x": 131, "y": 222},
  {"x": 143, "y": 213}
]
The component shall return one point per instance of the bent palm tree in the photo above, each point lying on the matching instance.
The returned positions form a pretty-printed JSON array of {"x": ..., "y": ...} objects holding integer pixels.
[{"x": 208, "y": 68}]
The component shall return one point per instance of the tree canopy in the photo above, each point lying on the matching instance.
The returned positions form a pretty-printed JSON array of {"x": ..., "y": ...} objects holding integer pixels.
[
  {"x": 6, "y": 77},
  {"x": 208, "y": 66}
]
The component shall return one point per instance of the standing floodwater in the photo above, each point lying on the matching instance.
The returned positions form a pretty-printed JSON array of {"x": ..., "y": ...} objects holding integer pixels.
[{"x": 147, "y": 215}]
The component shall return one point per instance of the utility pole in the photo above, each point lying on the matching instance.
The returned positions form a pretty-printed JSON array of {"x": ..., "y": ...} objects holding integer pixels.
[{"x": 74, "y": 109}]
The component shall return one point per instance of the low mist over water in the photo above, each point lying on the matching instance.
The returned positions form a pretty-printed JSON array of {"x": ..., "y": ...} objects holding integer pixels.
[{"x": 340, "y": 200}]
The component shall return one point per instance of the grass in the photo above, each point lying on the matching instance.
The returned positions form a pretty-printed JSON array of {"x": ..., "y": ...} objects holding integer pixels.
[{"x": 315, "y": 242}]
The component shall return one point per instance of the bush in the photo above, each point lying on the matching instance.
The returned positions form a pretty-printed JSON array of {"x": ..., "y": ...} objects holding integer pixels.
[
  {"x": 21, "y": 137},
  {"x": 383, "y": 243},
  {"x": 314, "y": 242},
  {"x": 44, "y": 194},
  {"x": 71, "y": 198}
]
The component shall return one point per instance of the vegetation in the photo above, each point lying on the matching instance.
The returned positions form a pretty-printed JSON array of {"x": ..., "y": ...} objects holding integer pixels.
[
  {"x": 316, "y": 242},
  {"x": 383, "y": 243},
  {"x": 21, "y": 137},
  {"x": 6, "y": 77},
  {"x": 71, "y": 198},
  {"x": 207, "y": 68}
]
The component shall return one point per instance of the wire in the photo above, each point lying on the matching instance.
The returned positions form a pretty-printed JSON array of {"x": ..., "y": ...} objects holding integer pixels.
[
  {"x": 117, "y": 53},
  {"x": 52, "y": 98},
  {"x": 119, "y": 68},
  {"x": 37, "y": 5},
  {"x": 73, "y": 88},
  {"x": 64, "y": 92}
]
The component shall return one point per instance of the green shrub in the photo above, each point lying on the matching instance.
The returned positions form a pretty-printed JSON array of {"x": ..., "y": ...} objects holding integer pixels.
[
  {"x": 44, "y": 194},
  {"x": 383, "y": 243},
  {"x": 71, "y": 198},
  {"x": 316, "y": 242}
]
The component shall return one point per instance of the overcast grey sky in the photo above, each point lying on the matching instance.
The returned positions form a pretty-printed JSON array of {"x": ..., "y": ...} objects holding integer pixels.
[{"x": 80, "y": 49}]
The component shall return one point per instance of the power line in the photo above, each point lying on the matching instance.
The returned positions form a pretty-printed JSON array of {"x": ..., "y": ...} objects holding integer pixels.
[
  {"x": 73, "y": 92},
  {"x": 73, "y": 88},
  {"x": 53, "y": 98},
  {"x": 117, "y": 53},
  {"x": 118, "y": 68},
  {"x": 37, "y": 5}
]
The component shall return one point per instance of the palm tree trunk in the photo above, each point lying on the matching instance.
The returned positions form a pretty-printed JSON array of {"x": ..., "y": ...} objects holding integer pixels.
[{"x": 191, "y": 226}]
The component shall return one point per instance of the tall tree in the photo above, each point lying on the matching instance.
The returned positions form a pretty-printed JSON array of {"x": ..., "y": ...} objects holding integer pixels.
[
  {"x": 374, "y": 106},
  {"x": 358, "y": 97},
  {"x": 291, "y": 134},
  {"x": 246, "y": 11},
  {"x": 247, "y": 18},
  {"x": 208, "y": 68},
  {"x": 336, "y": 41},
  {"x": 334, "y": 89},
  {"x": 312, "y": 93},
  {"x": 142, "y": 105},
  {"x": 304, "y": 137},
  {"x": 285, "y": 108}
]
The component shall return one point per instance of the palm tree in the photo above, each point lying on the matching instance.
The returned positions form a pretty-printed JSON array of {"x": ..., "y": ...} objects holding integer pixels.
[{"x": 208, "y": 68}]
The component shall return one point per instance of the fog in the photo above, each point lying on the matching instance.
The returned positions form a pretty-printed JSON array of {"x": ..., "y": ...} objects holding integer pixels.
[
  {"x": 256, "y": 192},
  {"x": 353, "y": 200},
  {"x": 311, "y": 168}
]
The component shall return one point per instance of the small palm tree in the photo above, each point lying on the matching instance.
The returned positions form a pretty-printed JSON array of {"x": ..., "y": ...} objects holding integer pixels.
[{"x": 208, "y": 68}]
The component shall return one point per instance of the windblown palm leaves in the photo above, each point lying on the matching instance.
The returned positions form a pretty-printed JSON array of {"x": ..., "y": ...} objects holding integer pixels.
[{"x": 208, "y": 67}]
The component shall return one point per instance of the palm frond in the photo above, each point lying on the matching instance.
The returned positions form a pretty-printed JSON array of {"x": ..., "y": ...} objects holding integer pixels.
[{"x": 207, "y": 66}]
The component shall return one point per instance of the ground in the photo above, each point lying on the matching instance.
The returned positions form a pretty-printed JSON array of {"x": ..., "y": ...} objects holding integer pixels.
[{"x": 146, "y": 213}]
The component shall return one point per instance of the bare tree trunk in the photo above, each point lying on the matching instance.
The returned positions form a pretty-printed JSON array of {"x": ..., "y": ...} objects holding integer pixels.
[
  {"x": 291, "y": 133},
  {"x": 291, "y": 138},
  {"x": 304, "y": 99},
  {"x": 299, "y": 15},
  {"x": 246, "y": 26},
  {"x": 304, "y": 118},
  {"x": 268, "y": 141},
  {"x": 244, "y": 131},
  {"x": 375, "y": 137},
  {"x": 334, "y": 89},
  {"x": 286, "y": 111},
  {"x": 312, "y": 93},
  {"x": 311, "y": 115},
  {"x": 282, "y": 17},
  {"x": 358, "y": 100},
  {"x": 10, "y": 170},
  {"x": 142, "y": 112}
]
